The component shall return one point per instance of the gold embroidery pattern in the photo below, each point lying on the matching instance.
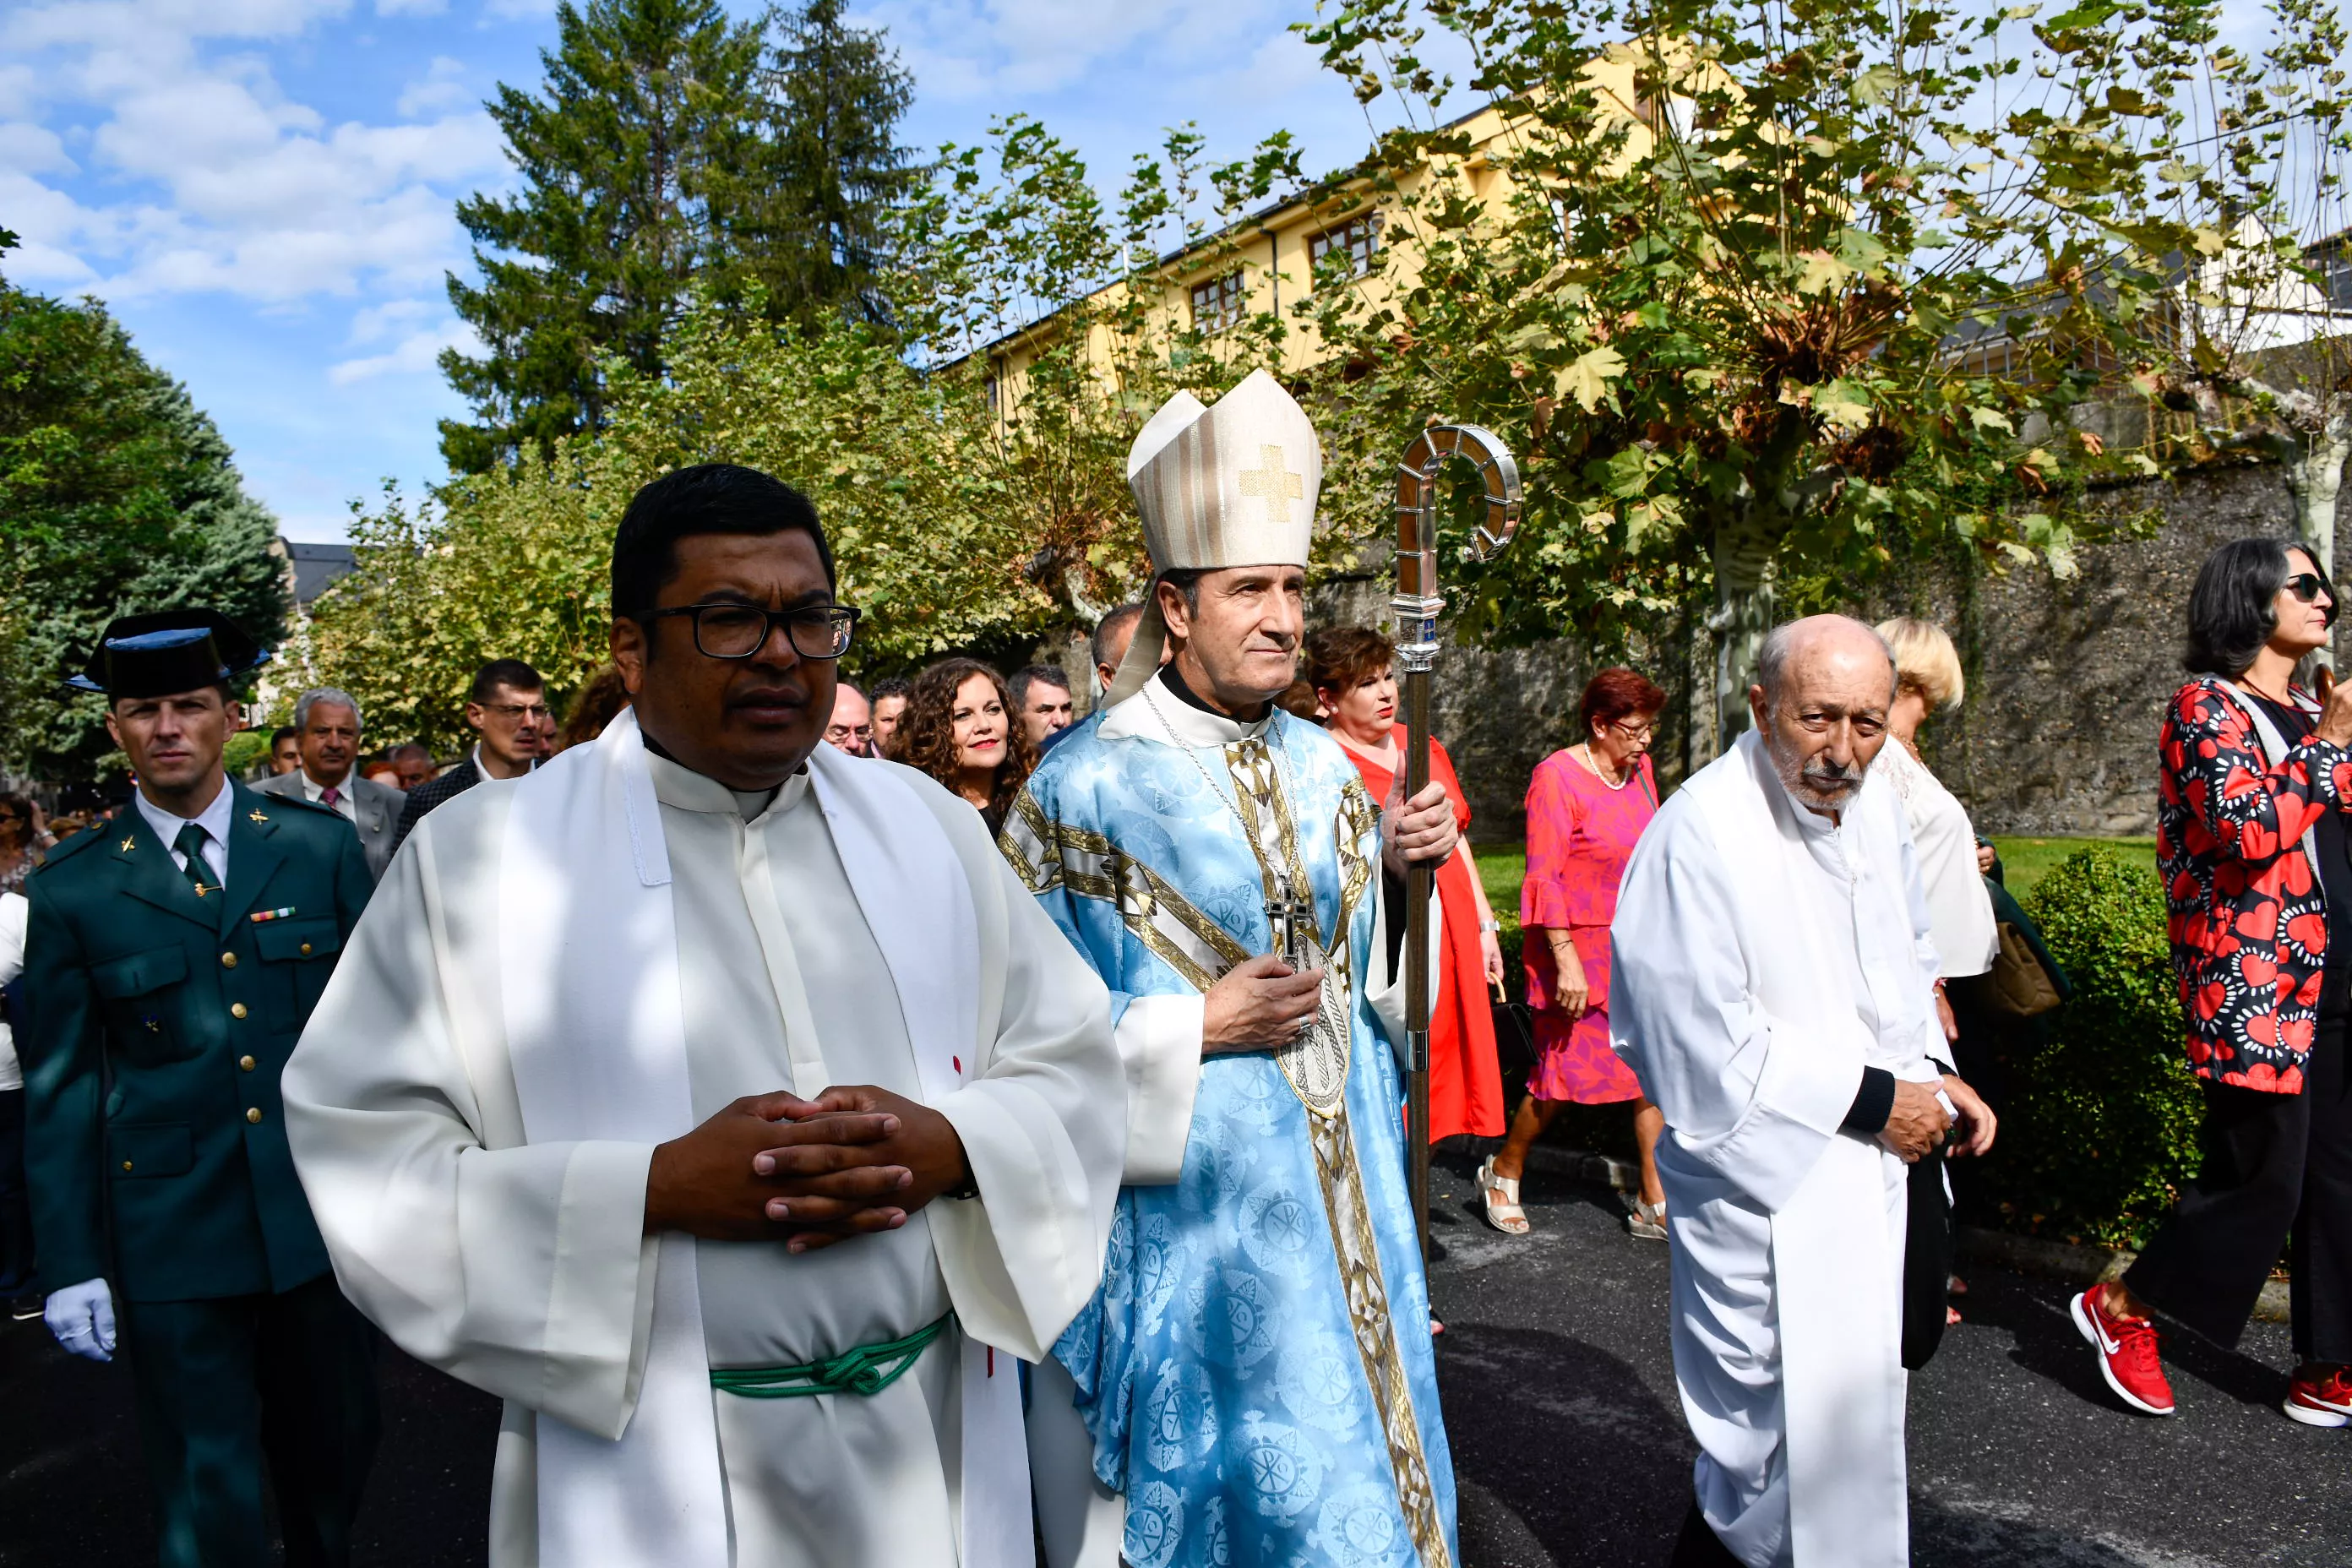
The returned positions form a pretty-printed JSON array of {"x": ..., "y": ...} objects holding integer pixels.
[
  {"x": 1046, "y": 855},
  {"x": 1367, "y": 1315},
  {"x": 1316, "y": 1064}
]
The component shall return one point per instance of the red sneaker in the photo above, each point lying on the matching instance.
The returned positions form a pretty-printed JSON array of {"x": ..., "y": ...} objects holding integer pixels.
[
  {"x": 2127, "y": 1348},
  {"x": 2321, "y": 1401}
]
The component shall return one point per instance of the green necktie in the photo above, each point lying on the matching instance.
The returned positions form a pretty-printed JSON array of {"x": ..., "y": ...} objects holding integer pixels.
[{"x": 190, "y": 844}]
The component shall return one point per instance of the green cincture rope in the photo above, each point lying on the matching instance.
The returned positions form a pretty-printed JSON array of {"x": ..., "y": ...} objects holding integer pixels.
[{"x": 866, "y": 1370}]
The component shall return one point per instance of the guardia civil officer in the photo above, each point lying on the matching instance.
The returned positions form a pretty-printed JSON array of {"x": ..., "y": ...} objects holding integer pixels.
[{"x": 171, "y": 958}]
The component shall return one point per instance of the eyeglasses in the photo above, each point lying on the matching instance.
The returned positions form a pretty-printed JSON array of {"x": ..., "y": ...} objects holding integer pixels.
[
  {"x": 740, "y": 631},
  {"x": 517, "y": 711},
  {"x": 1632, "y": 730},
  {"x": 2306, "y": 586}
]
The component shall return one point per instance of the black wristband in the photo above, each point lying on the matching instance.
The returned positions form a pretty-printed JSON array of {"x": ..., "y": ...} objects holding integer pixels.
[{"x": 1873, "y": 1103}]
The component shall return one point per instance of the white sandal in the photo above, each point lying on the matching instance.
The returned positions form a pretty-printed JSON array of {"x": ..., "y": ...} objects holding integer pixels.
[
  {"x": 1507, "y": 1216},
  {"x": 1647, "y": 1222}
]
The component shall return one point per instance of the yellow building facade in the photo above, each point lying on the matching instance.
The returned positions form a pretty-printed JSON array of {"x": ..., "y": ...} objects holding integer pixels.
[{"x": 1265, "y": 265}]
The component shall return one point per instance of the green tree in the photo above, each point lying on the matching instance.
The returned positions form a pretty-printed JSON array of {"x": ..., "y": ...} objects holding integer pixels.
[
  {"x": 1761, "y": 285},
  {"x": 514, "y": 562},
  {"x": 117, "y": 494},
  {"x": 837, "y": 174},
  {"x": 2262, "y": 346},
  {"x": 670, "y": 149},
  {"x": 1013, "y": 242}
]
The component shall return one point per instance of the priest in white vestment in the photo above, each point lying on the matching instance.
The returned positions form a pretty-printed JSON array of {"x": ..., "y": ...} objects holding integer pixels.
[
  {"x": 1774, "y": 993},
  {"x": 722, "y": 1102}
]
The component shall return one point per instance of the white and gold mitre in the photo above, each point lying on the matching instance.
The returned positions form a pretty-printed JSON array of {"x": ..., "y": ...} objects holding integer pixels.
[{"x": 1233, "y": 484}]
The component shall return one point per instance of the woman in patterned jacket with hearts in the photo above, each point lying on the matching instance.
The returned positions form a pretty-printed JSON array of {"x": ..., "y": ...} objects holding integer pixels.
[{"x": 2251, "y": 841}]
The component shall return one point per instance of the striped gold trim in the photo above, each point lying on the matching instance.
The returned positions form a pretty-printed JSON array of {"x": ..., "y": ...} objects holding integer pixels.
[
  {"x": 1358, "y": 1254},
  {"x": 1047, "y": 854}
]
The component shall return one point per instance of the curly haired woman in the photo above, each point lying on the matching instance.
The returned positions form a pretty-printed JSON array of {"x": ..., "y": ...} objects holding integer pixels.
[
  {"x": 2250, "y": 839},
  {"x": 959, "y": 729}
]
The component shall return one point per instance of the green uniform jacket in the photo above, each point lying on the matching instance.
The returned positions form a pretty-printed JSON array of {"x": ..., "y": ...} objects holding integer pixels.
[{"x": 157, "y": 1025}]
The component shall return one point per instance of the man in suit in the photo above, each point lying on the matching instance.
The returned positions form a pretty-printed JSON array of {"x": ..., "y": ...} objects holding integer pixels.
[
  {"x": 508, "y": 709},
  {"x": 327, "y": 723},
  {"x": 172, "y": 959}
]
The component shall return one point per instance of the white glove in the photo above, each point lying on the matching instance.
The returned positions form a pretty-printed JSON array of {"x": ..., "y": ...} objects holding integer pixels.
[{"x": 82, "y": 1318}]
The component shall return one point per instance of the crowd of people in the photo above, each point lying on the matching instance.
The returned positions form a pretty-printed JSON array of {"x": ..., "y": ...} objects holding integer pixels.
[{"x": 955, "y": 1119}]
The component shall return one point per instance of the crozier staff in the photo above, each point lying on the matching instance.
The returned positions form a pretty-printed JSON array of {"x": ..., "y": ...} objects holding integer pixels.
[{"x": 702, "y": 999}]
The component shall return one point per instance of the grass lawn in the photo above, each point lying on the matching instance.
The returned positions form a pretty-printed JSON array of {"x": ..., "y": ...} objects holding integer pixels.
[
  {"x": 2024, "y": 861},
  {"x": 1503, "y": 867}
]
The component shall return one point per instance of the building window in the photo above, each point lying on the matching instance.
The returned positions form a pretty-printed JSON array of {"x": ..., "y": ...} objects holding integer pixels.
[
  {"x": 991, "y": 385},
  {"x": 1356, "y": 240},
  {"x": 2334, "y": 267},
  {"x": 1217, "y": 303}
]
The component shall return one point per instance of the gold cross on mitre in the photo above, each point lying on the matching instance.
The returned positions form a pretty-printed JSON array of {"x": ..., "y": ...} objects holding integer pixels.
[{"x": 1275, "y": 483}]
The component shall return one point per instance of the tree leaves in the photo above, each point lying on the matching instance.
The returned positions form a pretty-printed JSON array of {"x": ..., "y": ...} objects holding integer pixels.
[
  {"x": 116, "y": 495},
  {"x": 1586, "y": 379}
]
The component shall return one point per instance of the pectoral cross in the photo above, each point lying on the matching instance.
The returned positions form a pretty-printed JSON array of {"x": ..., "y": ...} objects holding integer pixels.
[{"x": 1290, "y": 916}]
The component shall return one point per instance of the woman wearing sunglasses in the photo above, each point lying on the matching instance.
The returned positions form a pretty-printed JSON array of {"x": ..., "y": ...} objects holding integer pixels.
[{"x": 2252, "y": 842}]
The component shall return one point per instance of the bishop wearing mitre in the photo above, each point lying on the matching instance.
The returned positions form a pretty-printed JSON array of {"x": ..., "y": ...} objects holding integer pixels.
[
  {"x": 720, "y": 1102},
  {"x": 1254, "y": 1383}
]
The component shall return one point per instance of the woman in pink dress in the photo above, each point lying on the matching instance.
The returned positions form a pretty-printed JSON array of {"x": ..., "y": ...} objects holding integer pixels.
[{"x": 1586, "y": 807}]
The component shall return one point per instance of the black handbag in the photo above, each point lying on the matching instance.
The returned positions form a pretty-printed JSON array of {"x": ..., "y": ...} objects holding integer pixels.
[{"x": 1515, "y": 1040}]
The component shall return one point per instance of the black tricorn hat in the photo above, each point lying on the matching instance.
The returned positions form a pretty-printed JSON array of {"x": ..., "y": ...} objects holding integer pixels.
[{"x": 168, "y": 651}]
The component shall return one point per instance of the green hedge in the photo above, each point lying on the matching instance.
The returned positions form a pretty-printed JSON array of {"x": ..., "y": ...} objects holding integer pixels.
[{"x": 2102, "y": 1124}]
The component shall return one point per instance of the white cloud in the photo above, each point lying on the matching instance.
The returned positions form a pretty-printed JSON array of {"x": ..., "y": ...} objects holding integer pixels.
[
  {"x": 974, "y": 48},
  {"x": 30, "y": 149},
  {"x": 374, "y": 323},
  {"x": 519, "y": 10},
  {"x": 416, "y": 354},
  {"x": 410, "y": 7},
  {"x": 219, "y": 181},
  {"x": 442, "y": 86}
]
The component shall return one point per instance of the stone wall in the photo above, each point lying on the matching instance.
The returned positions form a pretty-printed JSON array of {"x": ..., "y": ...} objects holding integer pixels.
[{"x": 2067, "y": 680}]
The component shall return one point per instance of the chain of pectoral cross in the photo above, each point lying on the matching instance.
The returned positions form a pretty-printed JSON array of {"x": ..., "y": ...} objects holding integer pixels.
[{"x": 1291, "y": 914}]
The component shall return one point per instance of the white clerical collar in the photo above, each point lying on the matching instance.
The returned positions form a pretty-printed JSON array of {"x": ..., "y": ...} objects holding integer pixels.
[
  {"x": 677, "y": 785},
  {"x": 1155, "y": 713}
]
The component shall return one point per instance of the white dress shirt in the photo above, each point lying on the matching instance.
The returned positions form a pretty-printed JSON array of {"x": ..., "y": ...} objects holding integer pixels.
[
  {"x": 13, "y": 910},
  {"x": 315, "y": 792},
  {"x": 213, "y": 819}
]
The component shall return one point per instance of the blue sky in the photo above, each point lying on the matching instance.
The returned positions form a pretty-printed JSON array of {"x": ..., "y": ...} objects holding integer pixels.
[{"x": 262, "y": 190}]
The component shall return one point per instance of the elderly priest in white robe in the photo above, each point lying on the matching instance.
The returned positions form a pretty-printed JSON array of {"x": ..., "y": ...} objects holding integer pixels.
[
  {"x": 722, "y": 1101},
  {"x": 1775, "y": 994}
]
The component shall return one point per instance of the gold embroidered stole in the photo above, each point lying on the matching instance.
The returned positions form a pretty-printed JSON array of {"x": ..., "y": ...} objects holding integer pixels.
[{"x": 1047, "y": 854}]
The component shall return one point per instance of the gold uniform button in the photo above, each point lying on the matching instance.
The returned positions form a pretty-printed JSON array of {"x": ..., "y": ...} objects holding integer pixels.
[
  {"x": 254, "y": 1114},
  {"x": 245, "y": 1063},
  {"x": 237, "y": 1009},
  {"x": 228, "y": 960},
  {"x": 305, "y": 949},
  {"x": 126, "y": 1164}
]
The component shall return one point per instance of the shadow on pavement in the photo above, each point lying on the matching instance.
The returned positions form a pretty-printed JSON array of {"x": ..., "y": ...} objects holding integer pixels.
[
  {"x": 73, "y": 1487},
  {"x": 1561, "y": 1454}
]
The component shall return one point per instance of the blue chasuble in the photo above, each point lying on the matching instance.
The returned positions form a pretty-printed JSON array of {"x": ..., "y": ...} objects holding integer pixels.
[{"x": 1255, "y": 1368}]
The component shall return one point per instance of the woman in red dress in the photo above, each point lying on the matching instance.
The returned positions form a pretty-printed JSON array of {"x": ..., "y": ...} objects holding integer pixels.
[
  {"x": 1354, "y": 676},
  {"x": 1586, "y": 807}
]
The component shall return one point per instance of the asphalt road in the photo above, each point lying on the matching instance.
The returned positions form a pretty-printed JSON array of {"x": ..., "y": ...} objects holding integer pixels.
[
  {"x": 1569, "y": 1445},
  {"x": 1569, "y": 1449}
]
